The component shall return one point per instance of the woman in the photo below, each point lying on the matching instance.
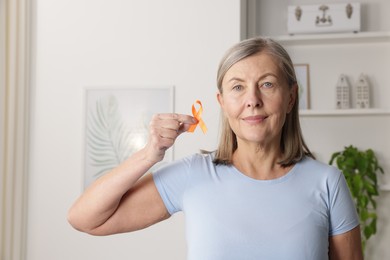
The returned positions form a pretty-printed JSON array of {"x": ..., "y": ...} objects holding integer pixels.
[{"x": 261, "y": 195}]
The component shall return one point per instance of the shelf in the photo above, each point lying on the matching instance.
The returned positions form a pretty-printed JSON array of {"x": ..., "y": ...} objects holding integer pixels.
[
  {"x": 337, "y": 38},
  {"x": 385, "y": 187},
  {"x": 344, "y": 112}
]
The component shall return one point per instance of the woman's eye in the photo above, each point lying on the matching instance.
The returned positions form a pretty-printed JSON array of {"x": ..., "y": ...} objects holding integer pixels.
[
  {"x": 237, "y": 87},
  {"x": 267, "y": 85}
]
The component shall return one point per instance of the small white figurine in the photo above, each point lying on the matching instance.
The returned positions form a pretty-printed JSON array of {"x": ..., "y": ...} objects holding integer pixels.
[
  {"x": 343, "y": 95},
  {"x": 362, "y": 92}
]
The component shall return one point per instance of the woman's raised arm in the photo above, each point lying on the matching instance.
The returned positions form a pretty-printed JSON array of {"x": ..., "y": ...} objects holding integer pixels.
[{"x": 122, "y": 201}]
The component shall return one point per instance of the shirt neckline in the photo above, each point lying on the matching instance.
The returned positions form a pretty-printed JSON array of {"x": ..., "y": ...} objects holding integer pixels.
[{"x": 281, "y": 179}]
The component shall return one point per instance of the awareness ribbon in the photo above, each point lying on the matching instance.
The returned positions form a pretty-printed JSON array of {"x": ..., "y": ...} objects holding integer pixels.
[{"x": 198, "y": 116}]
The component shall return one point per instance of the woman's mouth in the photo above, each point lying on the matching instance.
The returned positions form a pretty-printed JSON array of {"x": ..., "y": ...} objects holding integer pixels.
[{"x": 254, "y": 119}]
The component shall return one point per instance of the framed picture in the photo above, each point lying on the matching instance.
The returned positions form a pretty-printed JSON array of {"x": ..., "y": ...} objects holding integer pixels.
[
  {"x": 302, "y": 72},
  {"x": 116, "y": 125}
]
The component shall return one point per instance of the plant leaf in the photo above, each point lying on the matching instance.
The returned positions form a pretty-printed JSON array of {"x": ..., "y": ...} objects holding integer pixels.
[{"x": 107, "y": 135}]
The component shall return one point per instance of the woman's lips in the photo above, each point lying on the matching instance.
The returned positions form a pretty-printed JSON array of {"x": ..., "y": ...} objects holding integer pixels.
[{"x": 254, "y": 119}]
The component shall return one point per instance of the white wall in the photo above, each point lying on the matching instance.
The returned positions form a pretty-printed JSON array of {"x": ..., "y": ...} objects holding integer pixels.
[{"x": 79, "y": 43}]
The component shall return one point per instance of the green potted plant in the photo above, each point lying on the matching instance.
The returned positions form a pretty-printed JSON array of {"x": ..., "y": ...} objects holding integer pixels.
[{"x": 360, "y": 169}]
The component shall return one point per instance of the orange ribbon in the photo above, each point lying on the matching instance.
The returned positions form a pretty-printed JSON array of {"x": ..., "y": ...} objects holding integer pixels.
[{"x": 198, "y": 116}]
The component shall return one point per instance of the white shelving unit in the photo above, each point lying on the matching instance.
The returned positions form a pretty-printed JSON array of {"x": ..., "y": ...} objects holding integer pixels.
[
  {"x": 345, "y": 112},
  {"x": 351, "y": 51},
  {"x": 339, "y": 38}
]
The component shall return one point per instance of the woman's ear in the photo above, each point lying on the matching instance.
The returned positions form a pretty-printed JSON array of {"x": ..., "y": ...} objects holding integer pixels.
[
  {"x": 220, "y": 98},
  {"x": 293, "y": 97}
]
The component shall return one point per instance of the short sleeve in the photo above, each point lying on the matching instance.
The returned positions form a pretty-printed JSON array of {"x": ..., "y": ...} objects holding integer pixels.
[
  {"x": 343, "y": 215},
  {"x": 171, "y": 181}
]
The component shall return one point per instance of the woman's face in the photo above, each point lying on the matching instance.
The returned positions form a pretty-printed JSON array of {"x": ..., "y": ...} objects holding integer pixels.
[{"x": 256, "y": 99}]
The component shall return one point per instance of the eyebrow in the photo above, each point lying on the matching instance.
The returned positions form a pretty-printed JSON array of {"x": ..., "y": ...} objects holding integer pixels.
[
  {"x": 263, "y": 76},
  {"x": 235, "y": 79}
]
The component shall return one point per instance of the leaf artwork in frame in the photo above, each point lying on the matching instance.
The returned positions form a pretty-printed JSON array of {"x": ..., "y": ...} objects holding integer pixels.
[{"x": 116, "y": 125}]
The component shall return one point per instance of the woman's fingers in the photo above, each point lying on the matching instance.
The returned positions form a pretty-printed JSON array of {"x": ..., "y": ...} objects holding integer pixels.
[
  {"x": 163, "y": 131},
  {"x": 176, "y": 122}
]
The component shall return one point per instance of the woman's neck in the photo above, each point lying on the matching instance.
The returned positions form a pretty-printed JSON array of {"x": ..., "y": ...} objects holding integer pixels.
[{"x": 259, "y": 162}]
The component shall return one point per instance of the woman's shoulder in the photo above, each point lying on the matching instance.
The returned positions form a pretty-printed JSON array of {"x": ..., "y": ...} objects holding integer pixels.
[
  {"x": 201, "y": 162},
  {"x": 196, "y": 158},
  {"x": 192, "y": 160},
  {"x": 204, "y": 156},
  {"x": 311, "y": 165},
  {"x": 320, "y": 175}
]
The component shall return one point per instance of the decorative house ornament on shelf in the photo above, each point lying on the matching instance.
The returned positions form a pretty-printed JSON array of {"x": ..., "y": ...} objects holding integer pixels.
[
  {"x": 343, "y": 91},
  {"x": 329, "y": 18},
  {"x": 362, "y": 92}
]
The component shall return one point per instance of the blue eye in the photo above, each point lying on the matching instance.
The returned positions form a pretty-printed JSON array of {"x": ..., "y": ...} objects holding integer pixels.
[
  {"x": 267, "y": 85},
  {"x": 237, "y": 87}
]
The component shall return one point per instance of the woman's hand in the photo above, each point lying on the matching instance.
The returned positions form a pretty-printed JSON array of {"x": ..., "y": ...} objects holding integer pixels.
[{"x": 163, "y": 131}]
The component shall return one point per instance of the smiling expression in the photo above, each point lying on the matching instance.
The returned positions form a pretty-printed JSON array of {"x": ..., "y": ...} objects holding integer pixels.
[{"x": 255, "y": 99}]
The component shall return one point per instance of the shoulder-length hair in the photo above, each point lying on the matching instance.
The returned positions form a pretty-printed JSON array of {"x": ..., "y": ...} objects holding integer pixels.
[{"x": 292, "y": 144}]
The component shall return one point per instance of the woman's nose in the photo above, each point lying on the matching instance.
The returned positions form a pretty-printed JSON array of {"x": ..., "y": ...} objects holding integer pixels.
[{"x": 254, "y": 98}]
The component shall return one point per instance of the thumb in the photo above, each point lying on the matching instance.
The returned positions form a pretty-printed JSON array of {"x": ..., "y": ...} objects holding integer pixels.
[{"x": 185, "y": 126}]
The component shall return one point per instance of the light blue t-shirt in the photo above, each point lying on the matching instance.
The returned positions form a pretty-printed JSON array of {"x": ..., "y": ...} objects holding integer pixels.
[{"x": 230, "y": 216}]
